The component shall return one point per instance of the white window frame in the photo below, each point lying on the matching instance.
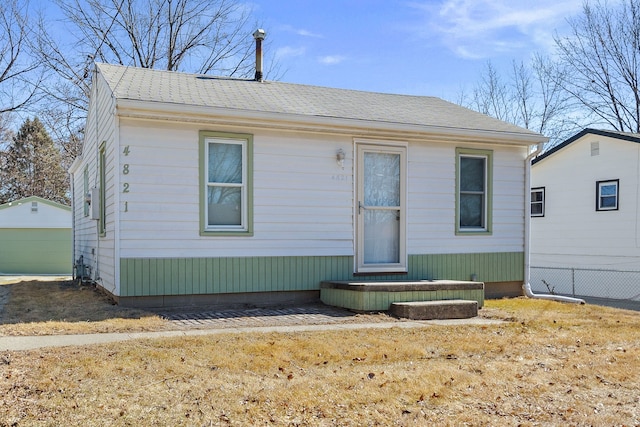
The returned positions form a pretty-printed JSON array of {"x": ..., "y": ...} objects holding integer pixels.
[
  {"x": 487, "y": 205},
  {"x": 538, "y": 202},
  {"x": 243, "y": 185},
  {"x": 600, "y": 196}
]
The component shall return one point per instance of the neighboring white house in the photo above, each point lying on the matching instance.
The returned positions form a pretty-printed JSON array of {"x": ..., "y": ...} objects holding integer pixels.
[
  {"x": 221, "y": 190},
  {"x": 35, "y": 237},
  {"x": 585, "y": 225}
]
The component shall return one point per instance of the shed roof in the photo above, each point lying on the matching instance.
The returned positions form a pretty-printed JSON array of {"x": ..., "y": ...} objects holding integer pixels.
[
  {"x": 35, "y": 199},
  {"x": 300, "y": 102}
]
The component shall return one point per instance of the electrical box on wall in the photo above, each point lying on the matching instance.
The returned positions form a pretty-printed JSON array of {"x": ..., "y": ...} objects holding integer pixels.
[{"x": 94, "y": 200}]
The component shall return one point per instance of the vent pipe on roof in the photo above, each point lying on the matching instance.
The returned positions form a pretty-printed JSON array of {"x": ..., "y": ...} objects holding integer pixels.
[{"x": 259, "y": 35}]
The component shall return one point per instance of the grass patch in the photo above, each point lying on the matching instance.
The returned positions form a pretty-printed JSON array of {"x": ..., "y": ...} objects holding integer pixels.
[
  {"x": 548, "y": 364},
  {"x": 65, "y": 307}
]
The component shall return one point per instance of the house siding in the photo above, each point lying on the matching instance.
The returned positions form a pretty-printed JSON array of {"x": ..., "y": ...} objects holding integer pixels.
[
  {"x": 303, "y": 201},
  {"x": 302, "y": 205},
  {"x": 189, "y": 276},
  {"x": 572, "y": 234},
  {"x": 431, "y": 201},
  {"x": 303, "y": 215},
  {"x": 97, "y": 252}
]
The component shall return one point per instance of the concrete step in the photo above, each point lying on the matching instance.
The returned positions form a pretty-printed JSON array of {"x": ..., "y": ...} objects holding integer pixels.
[{"x": 429, "y": 310}]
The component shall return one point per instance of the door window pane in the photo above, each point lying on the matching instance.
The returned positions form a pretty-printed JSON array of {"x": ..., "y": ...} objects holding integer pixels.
[
  {"x": 381, "y": 179},
  {"x": 381, "y": 236}
]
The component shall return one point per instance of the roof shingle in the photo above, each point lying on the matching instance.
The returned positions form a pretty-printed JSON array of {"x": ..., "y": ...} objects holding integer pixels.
[{"x": 149, "y": 85}]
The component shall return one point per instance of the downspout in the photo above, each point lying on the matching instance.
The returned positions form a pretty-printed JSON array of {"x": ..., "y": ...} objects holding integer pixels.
[{"x": 526, "y": 286}]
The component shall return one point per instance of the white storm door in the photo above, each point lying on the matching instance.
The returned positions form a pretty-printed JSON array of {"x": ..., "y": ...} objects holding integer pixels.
[{"x": 380, "y": 209}]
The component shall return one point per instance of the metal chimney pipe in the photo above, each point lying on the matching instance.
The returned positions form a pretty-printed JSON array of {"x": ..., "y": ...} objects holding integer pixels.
[{"x": 259, "y": 35}]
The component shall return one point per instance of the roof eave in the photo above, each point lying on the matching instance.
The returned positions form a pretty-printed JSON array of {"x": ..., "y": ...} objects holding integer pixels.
[
  {"x": 75, "y": 165},
  {"x": 298, "y": 122},
  {"x": 29, "y": 199},
  {"x": 579, "y": 135}
]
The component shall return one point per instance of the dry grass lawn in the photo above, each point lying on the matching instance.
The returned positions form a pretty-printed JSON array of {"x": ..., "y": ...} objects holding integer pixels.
[
  {"x": 547, "y": 364},
  {"x": 65, "y": 307}
]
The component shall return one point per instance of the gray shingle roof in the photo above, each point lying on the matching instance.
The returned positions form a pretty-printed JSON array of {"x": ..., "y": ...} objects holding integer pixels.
[{"x": 148, "y": 85}]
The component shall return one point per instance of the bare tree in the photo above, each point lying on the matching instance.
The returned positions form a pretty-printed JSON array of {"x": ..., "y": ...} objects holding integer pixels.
[
  {"x": 199, "y": 36},
  {"x": 601, "y": 60},
  {"x": 19, "y": 81},
  {"x": 491, "y": 96},
  {"x": 529, "y": 96}
]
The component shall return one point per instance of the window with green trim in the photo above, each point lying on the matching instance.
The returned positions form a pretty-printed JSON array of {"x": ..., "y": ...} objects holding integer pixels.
[
  {"x": 473, "y": 191},
  {"x": 226, "y": 183},
  {"x": 102, "y": 163}
]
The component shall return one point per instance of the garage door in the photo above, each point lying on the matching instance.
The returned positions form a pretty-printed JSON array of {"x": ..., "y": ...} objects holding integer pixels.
[{"x": 35, "y": 251}]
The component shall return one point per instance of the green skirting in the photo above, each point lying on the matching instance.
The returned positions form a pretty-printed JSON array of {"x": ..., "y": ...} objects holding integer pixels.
[{"x": 194, "y": 276}]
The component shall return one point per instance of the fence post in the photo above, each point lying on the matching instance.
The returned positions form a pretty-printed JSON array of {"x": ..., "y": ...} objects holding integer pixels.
[{"x": 573, "y": 281}]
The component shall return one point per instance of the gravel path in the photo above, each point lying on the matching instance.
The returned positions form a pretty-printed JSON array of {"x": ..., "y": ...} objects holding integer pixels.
[{"x": 309, "y": 314}]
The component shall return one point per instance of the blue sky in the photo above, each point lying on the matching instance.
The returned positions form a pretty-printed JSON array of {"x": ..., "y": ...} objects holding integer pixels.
[{"x": 429, "y": 47}]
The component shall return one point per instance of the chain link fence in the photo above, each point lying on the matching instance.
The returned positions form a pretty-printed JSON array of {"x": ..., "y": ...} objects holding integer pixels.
[{"x": 582, "y": 282}]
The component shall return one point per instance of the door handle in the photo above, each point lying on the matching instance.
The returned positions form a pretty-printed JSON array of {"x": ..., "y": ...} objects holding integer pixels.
[{"x": 360, "y": 207}]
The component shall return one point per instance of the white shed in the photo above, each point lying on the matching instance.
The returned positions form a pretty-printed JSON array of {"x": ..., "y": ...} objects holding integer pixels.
[
  {"x": 35, "y": 237},
  {"x": 222, "y": 190}
]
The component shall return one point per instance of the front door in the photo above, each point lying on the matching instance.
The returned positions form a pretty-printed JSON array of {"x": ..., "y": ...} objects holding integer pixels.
[{"x": 380, "y": 208}]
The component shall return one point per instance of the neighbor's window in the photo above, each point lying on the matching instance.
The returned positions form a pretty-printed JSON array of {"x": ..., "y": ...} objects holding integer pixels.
[
  {"x": 607, "y": 195},
  {"x": 473, "y": 184},
  {"x": 226, "y": 183},
  {"x": 537, "y": 201}
]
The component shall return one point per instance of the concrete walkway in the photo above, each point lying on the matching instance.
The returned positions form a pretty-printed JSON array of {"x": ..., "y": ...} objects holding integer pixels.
[{"x": 17, "y": 343}]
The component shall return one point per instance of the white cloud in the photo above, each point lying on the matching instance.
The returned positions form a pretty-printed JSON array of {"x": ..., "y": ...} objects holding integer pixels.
[
  {"x": 483, "y": 28},
  {"x": 331, "y": 59},
  {"x": 306, "y": 33},
  {"x": 301, "y": 32},
  {"x": 289, "y": 52}
]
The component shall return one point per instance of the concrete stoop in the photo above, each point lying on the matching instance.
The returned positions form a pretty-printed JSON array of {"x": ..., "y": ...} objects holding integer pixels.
[{"x": 430, "y": 310}]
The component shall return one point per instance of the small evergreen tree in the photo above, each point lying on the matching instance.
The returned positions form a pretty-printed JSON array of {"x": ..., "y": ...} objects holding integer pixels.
[{"x": 32, "y": 166}]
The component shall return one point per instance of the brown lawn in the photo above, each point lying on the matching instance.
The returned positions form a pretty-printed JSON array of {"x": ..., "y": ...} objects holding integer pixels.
[{"x": 547, "y": 364}]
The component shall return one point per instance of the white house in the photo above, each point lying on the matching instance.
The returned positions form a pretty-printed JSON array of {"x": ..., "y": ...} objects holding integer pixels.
[
  {"x": 35, "y": 237},
  {"x": 585, "y": 238},
  {"x": 214, "y": 190}
]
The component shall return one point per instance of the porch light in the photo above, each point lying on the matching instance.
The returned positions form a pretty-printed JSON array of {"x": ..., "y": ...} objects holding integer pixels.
[{"x": 340, "y": 155}]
